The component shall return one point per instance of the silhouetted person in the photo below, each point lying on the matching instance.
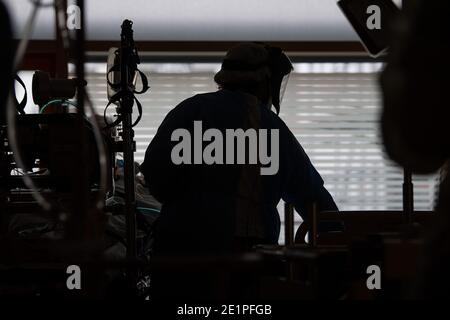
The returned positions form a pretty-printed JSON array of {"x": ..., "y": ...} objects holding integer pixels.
[
  {"x": 230, "y": 207},
  {"x": 416, "y": 122}
]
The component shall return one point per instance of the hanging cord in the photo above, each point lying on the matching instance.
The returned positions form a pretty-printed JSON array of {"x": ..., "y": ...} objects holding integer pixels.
[
  {"x": 12, "y": 111},
  {"x": 119, "y": 95},
  {"x": 63, "y": 102},
  {"x": 102, "y": 157},
  {"x": 20, "y": 106},
  {"x": 22, "y": 48}
]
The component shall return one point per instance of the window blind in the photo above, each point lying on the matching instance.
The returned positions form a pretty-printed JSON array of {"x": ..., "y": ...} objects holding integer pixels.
[{"x": 332, "y": 108}]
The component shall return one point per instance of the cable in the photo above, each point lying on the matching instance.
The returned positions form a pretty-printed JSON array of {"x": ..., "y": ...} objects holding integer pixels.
[
  {"x": 12, "y": 112},
  {"x": 11, "y": 116},
  {"x": 18, "y": 172},
  {"x": 148, "y": 209},
  {"x": 21, "y": 49},
  {"x": 93, "y": 120},
  {"x": 67, "y": 102}
]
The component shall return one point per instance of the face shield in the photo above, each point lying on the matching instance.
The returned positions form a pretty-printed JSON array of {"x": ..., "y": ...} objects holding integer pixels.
[
  {"x": 281, "y": 68},
  {"x": 283, "y": 87}
]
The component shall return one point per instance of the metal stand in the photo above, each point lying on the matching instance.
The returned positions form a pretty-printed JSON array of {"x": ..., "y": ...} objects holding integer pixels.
[
  {"x": 129, "y": 184},
  {"x": 125, "y": 97},
  {"x": 312, "y": 214},
  {"x": 408, "y": 196},
  {"x": 126, "y": 109},
  {"x": 288, "y": 224}
]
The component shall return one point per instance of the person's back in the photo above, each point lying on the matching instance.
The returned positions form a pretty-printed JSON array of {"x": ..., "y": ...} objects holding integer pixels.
[{"x": 198, "y": 200}]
